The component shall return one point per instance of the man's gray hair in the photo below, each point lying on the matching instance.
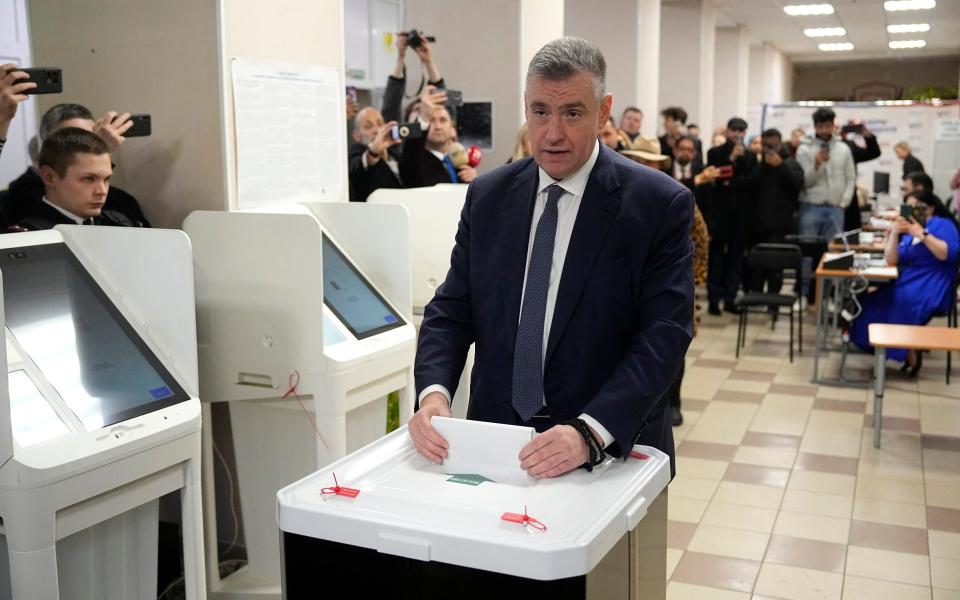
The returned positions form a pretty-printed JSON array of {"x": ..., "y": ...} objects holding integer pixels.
[
  {"x": 59, "y": 113},
  {"x": 565, "y": 57}
]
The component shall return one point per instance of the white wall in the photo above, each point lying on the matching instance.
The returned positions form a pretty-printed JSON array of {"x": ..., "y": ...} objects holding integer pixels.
[
  {"x": 731, "y": 74},
  {"x": 477, "y": 51},
  {"x": 540, "y": 22},
  {"x": 771, "y": 76},
  {"x": 687, "y": 37},
  {"x": 15, "y": 48}
]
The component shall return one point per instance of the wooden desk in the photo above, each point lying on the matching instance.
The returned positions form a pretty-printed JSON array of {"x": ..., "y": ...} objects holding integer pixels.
[
  {"x": 823, "y": 322},
  {"x": 872, "y": 248},
  {"x": 911, "y": 337}
]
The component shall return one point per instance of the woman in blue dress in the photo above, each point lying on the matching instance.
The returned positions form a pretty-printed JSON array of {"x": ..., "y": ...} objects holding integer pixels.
[{"x": 927, "y": 256}]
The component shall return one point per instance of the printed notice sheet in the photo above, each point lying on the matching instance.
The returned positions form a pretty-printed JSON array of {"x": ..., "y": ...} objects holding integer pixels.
[{"x": 288, "y": 119}]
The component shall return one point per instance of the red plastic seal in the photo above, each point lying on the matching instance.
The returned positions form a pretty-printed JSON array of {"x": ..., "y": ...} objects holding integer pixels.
[
  {"x": 523, "y": 519},
  {"x": 340, "y": 491},
  {"x": 637, "y": 454}
]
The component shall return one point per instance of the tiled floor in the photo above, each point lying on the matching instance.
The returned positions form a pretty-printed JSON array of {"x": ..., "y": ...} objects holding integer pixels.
[{"x": 780, "y": 493}]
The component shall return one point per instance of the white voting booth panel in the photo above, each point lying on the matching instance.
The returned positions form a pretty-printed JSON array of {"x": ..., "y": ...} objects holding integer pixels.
[
  {"x": 434, "y": 218},
  {"x": 101, "y": 416},
  {"x": 410, "y": 507},
  {"x": 266, "y": 323}
]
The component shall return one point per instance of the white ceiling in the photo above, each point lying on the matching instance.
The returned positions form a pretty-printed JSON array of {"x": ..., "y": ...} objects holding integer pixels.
[{"x": 865, "y": 21}]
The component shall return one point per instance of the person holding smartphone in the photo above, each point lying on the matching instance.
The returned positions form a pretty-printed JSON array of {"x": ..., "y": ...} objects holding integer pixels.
[
  {"x": 424, "y": 161},
  {"x": 925, "y": 246},
  {"x": 373, "y": 156},
  {"x": 13, "y": 91}
]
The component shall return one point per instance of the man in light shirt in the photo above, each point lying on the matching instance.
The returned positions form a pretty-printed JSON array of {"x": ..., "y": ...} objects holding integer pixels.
[
  {"x": 829, "y": 177},
  {"x": 572, "y": 273}
]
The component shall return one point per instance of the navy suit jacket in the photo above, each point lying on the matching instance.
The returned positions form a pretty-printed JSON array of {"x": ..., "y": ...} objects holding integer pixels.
[{"x": 624, "y": 310}]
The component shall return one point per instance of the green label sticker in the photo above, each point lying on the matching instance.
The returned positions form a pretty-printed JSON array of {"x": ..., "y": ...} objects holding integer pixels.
[{"x": 469, "y": 479}]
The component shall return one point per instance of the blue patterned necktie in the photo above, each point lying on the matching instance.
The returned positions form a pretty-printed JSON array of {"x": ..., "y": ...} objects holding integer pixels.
[
  {"x": 528, "y": 350},
  {"x": 450, "y": 170}
]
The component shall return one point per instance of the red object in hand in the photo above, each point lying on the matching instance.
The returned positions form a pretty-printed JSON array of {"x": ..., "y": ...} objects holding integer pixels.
[
  {"x": 474, "y": 155},
  {"x": 725, "y": 172}
]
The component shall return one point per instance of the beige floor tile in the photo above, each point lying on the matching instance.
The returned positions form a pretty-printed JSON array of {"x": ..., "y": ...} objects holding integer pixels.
[
  {"x": 939, "y": 416},
  {"x": 748, "y": 494},
  {"x": 720, "y": 412},
  {"x": 686, "y": 591},
  {"x": 767, "y": 457},
  {"x": 896, "y": 471},
  {"x": 825, "y": 483},
  {"x": 943, "y": 495},
  {"x": 861, "y": 588},
  {"x": 893, "y": 513},
  {"x": 896, "y": 491},
  {"x": 842, "y": 393},
  {"x": 813, "y": 527},
  {"x": 701, "y": 467},
  {"x": 897, "y": 446},
  {"x": 760, "y": 365},
  {"x": 736, "y": 516},
  {"x": 792, "y": 583},
  {"x": 888, "y": 566},
  {"x": 830, "y": 505},
  {"x": 944, "y": 544},
  {"x": 939, "y": 594},
  {"x": 778, "y": 424},
  {"x": 830, "y": 421},
  {"x": 724, "y": 541},
  {"x": 673, "y": 557},
  {"x": 702, "y": 382},
  {"x": 716, "y": 435},
  {"x": 687, "y": 486},
  {"x": 945, "y": 573},
  {"x": 845, "y": 444},
  {"x": 687, "y": 510},
  {"x": 736, "y": 385},
  {"x": 907, "y": 409}
]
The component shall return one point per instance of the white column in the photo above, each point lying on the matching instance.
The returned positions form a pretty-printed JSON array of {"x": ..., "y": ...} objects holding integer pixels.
[
  {"x": 731, "y": 73},
  {"x": 540, "y": 22},
  {"x": 687, "y": 40},
  {"x": 648, "y": 63}
]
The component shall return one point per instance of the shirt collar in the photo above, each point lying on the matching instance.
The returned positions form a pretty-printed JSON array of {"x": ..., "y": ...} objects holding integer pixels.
[
  {"x": 64, "y": 212},
  {"x": 576, "y": 183}
]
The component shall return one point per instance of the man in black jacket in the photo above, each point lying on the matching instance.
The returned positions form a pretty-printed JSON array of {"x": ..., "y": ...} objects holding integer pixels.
[
  {"x": 775, "y": 205},
  {"x": 373, "y": 156},
  {"x": 424, "y": 161},
  {"x": 868, "y": 151},
  {"x": 728, "y": 216},
  {"x": 397, "y": 81}
]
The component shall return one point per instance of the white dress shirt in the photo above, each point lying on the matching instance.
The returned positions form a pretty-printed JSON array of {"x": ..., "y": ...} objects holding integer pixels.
[
  {"x": 567, "y": 209},
  {"x": 64, "y": 212}
]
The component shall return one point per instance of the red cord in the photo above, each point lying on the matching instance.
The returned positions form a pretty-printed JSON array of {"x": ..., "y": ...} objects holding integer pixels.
[{"x": 293, "y": 382}]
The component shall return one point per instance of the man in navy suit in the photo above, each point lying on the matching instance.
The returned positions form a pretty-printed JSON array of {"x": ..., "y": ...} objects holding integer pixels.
[{"x": 572, "y": 273}]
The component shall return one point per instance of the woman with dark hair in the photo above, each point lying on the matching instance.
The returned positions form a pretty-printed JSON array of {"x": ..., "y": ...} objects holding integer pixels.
[{"x": 926, "y": 249}]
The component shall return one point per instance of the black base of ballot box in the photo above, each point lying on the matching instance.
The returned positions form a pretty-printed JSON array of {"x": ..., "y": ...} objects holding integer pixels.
[{"x": 634, "y": 569}]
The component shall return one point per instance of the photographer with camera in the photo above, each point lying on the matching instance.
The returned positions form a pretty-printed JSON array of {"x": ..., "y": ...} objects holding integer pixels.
[
  {"x": 425, "y": 160},
  {"x": 12, "y": 92},
  {"x": 397, "y": 81},
  {"x": 374, "y": 155},
  {"x": 26, "y": 191},
  {"x": 853, "y": 134}
]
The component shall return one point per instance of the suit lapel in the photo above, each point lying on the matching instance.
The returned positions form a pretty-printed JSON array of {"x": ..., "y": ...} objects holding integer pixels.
[
  {"x": 597, "y": 209},
  {"x": 516, "y": 216}
]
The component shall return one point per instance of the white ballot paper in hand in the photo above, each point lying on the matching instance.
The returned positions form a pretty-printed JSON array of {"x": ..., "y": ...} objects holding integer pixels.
[{"x": 481, "y": 448}]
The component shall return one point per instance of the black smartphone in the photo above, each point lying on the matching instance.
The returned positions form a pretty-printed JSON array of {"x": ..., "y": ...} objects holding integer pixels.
[
  {"x": 454, "y": 97},
  {"x": 49, "y": 80},
  {"x": 141, "y": 126},
  {"x": 405, "y": 131}
]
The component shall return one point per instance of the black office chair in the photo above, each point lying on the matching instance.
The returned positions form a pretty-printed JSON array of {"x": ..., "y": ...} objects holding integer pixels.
[{"x": 771, "y": 257}]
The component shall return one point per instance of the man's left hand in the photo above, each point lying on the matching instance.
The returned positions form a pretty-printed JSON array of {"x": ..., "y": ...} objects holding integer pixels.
[
  {"x": 554, "y": 452},
  {"x": 111, "y": 127},
  {"x": 467, "y": 174},
  {"x": 915, "y": 229}
]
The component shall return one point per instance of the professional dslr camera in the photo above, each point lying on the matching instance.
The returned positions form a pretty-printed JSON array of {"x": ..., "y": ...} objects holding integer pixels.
[{"x": 415, "y": 40}]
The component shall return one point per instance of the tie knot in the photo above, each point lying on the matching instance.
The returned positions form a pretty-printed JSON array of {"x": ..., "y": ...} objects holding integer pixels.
[{"x": 553, "y": 194}]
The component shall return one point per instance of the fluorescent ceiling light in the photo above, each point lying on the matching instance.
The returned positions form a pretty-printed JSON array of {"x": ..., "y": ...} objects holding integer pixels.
[
  {"x": 900, "y": 44},
  {"x": 895, "y": 5},
  {"x": 909, "y": 28},
  {"x": 806, "y": 10},
  {"x": 824, "y": 32},
  {"x": 837, "y": 47}
]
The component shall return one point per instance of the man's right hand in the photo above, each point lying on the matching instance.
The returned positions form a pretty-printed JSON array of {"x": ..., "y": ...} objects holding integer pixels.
[
  {"x": 430, "y": 100},
  {"x": 707, "y": 175},
  {"x": 429, "y": 443},
  {"x": 738, "y": 151},
  {"x": 382, "y": 142},
  {"x": 111, "y": 127},
  {"x": 822, "y": 156}
]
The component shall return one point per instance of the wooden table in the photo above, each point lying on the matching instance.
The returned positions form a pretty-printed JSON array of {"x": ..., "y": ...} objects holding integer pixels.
[
  {"x": 823, "y": 276},
  {"x": 871, "y": 248},
  {"x": 911, "y": 337}
]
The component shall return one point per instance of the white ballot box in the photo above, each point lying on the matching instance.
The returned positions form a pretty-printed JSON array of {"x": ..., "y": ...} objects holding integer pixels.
[
  {"x": 395, "y": 525},
  {"x": 99, "y": 413}
]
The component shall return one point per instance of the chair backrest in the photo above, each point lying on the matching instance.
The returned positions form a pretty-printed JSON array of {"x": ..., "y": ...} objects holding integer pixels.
[
  {"x": 810, "y": 245},
  {"x": 775, "y": 257}
]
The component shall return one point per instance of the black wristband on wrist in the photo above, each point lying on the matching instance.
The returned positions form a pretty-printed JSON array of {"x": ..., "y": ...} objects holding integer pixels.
[{"x": 597, "y": 454}]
